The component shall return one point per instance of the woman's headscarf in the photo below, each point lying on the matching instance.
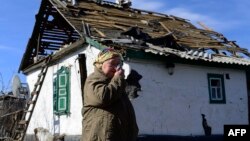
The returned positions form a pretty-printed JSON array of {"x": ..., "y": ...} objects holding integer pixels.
[{"x": 106, "y": 54}]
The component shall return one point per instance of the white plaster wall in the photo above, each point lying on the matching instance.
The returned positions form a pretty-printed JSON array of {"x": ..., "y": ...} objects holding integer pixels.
[
  {"x": 168, "y": 104},
  {"x": 173, "y": 104},
  {"x": 43, "y": 113}
]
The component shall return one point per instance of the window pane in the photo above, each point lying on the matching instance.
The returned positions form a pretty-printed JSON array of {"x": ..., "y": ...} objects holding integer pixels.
[
  {"x": 219, "y": 96},
  {"x": 215, "y": 83},
  {"x": 62, "y": 91},
  {"x": 218, "y": 83},
  {"x": 213, "y": 93},
  {"x": 62, "y": 103},
  {"x": 62, "y": 80}
]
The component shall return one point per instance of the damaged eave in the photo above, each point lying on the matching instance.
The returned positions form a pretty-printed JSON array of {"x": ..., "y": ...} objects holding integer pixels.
[
  {"x": 51, "y": 32},
  {"x": 195, "y": 55},
  {"x": 58, "y": 55}
]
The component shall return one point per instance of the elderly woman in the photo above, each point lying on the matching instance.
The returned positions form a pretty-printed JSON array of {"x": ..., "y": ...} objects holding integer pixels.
[{"x": 108, "y": 114}]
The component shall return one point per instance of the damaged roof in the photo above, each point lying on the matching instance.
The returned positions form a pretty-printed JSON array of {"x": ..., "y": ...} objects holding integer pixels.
[{"x": 59, "y": 23}]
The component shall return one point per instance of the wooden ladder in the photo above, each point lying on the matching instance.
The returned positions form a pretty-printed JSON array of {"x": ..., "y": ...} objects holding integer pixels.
[{"x": 22, "y": 125}]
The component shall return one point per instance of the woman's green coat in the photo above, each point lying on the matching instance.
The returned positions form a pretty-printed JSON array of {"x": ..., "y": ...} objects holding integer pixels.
[{"x": 108, "y": 114}]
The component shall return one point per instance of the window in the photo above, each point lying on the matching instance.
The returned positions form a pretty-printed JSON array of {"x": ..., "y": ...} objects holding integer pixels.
[
  {"x": 216, "y": 88},
  {"x": 61, "y": 91}
]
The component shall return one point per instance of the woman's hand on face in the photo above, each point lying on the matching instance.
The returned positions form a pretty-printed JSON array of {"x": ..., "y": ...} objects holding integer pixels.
[{"x": 119, "y": 72}]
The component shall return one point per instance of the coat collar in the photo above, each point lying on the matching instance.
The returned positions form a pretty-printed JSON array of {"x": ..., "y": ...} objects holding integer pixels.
[{"x": 100, "y": 74}]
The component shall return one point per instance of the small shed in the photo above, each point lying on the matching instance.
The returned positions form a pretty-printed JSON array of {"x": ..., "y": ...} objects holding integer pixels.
[{"x": 11, "y": 110}]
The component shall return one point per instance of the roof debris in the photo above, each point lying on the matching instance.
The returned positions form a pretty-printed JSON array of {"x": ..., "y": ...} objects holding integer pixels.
[{"x": 59, "y": 23}]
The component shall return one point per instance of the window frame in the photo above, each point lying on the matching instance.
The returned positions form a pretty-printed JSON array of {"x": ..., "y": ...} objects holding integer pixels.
[{"x": 217, "y": 100}]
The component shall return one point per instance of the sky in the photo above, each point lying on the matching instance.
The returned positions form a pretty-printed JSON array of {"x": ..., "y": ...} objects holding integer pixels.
[{"x": 228, "y": 17}]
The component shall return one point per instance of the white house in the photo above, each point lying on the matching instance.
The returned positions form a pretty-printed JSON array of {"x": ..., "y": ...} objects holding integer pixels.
[{"x": 191, "y": 81}]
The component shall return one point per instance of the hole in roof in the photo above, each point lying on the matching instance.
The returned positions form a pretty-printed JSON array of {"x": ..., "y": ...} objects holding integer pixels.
[{"x": 50, "y": 18}]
